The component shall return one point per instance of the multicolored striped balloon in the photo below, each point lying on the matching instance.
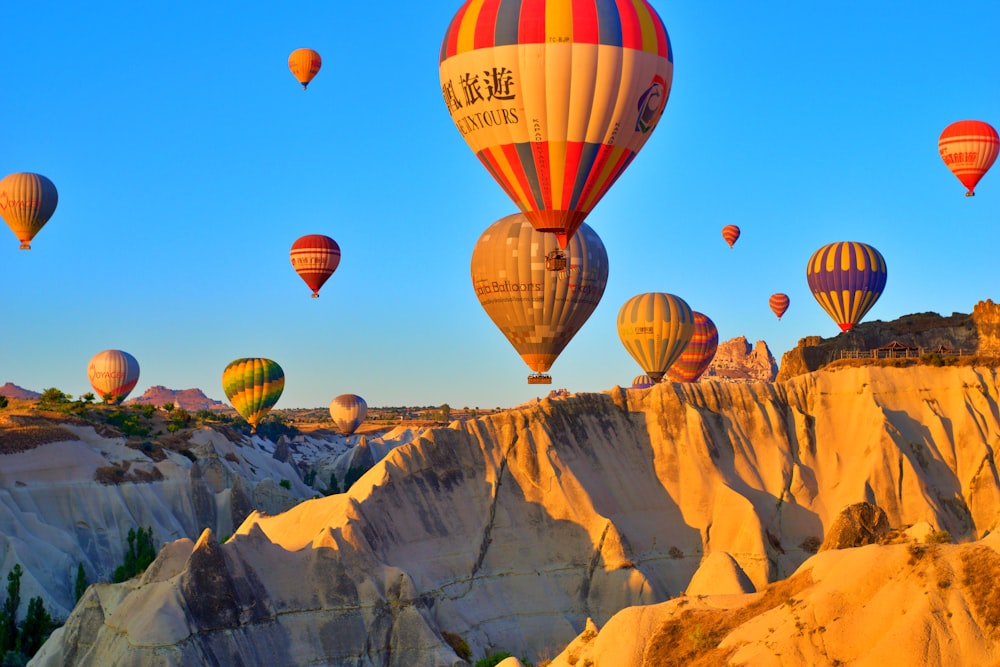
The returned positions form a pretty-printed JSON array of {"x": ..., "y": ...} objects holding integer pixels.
[
  {"x": 779, "y": 304},
  {"x": 304, "y": 64},
  {"x": 655, "y": 328},
  {"x": 539, "y": 311},
  {"x": 113, "y": 374},
  {"x": 348, "y": 411},
  {"x": 699, "y": 352},
  {"x": 253, "y": 385},
  {"x": 556, "y": 97},
  {"x": 642, "y": 382},
  {"x": 969, "y": 148},
  {"x": 27, "y": 201},
  {"x": 847, "y": 278},
  {"x": 315, "y": 257},
  {"x": 731, "y": 233}
]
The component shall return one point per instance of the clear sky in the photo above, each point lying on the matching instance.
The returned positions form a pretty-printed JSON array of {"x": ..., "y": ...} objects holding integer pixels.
[{"x": 188, "y": 159}]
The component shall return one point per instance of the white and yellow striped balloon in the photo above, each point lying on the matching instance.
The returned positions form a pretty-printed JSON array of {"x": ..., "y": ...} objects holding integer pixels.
[
  {"x": 348, "y": 411},
  {"x": 655, "y": 327},
  {"x": 27, "y": 201}
]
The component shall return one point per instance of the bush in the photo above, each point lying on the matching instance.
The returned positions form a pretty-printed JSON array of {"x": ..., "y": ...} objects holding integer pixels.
[
  {"x": 458, "y": 645},
  {"x": 491, "y": 661},
  {"x": 938, "y": 537},
  {"x": 286, "y": 484},
  {"x": 3, "y": 402}
]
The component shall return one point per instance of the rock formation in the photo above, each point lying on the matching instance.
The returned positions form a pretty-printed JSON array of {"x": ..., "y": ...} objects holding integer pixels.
[
  {"x": 736, "y": 361},
  {"x": 521, "y": 530},
  {"x": 191, "y": 400},
  {"x": 11, "y": 390}
]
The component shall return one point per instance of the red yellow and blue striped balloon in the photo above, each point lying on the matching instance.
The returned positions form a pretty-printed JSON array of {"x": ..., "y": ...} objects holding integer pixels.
[
  {"x": 655, "y": 328},
  {"x": 348, "y": 411},
  {"x": 699, "y": 352},
  {"x": 253, "y": 385},
  {"x": 969, "y": 148},
  {"x": 847, "y": 278},
  {"x": 556, "y": 97}
]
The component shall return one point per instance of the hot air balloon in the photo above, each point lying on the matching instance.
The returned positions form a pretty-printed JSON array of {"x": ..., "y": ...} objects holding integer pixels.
[
  {"x": 778, "y": 303},
  {"x": 347, "y": 412},
  {"x": 655, "y": 328},
  {"x": 113, "y": 374},
  {"x": 539, "y": 311},
  {"x": 305, "y": 64},
  {"x": 556, "y": 98},
  {"x": 730, "y": 233},
  {"x": 847, "y": 278},
  {"x": 253, "y": 385},
  {"x": 315, "y": 257},
  {"x": 27, "y": 201},
  {"x": 698, "y": 353},
  {"x": 642, "y": 382},
  {"x": 969, "y": 148}
]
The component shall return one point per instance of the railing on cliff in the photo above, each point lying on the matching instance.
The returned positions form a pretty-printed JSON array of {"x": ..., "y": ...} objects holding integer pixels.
[{"x": 904, "y": 353}]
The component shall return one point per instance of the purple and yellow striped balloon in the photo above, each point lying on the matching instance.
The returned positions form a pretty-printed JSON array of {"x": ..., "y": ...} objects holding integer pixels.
[
  {"x": 698, "y": 354},
  {"x": 847, "y": 278},
  {"x": 642, "y": 382},
  {"x": 253, "y": 385}
]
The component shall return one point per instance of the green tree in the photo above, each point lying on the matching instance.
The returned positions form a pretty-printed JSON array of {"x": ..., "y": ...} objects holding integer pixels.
[
  {"x": 168, "y": 407},
  {"x": 333, "y": 488},
  {"x": 52, "y": 397},
  {"x": 80, "y": 586},
  {"x": 88, "y": 397},
  {"x": 140, "y": 553},
  {"x": 10, "y": 606},
  {"x": 3, "y": 402},
  {"x": 36, "y": 627},
  {"x": 445, "y": 412}
]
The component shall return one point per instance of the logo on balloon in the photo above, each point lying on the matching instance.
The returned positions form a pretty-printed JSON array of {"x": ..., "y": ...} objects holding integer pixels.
[{"x": 651, "y": 104}]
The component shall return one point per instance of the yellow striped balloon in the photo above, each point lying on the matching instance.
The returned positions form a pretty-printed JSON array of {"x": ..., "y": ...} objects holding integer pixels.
[
  {"x": 847, "y": 278},
  {"x": 27, "y": 201},
  {"x": 253, "y": 385},
  {"x": 655, "y": 328}
]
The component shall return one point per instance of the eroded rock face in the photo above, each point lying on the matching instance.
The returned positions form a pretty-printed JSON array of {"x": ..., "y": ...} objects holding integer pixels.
[
  {"x": 513, "y": 529},
  {"x": 736, "y": 361},
  {"x": 856, "y": 526}
]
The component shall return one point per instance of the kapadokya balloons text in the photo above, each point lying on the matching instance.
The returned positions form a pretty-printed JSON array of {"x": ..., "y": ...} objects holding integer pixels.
[
  {"x": 305, "y": 64},
  {"x": 539, "y": 311},
  {"x": 113, "y": 374},
  {"x": 642, "y": 382},
  {"x": 348, "y": 411},
  {"x": 730, "y": 233},
  {"x": 655, "y": 327},
  {"x": 315, "y": 257},
  {"x": 778, "y": 303},
  {"x": 555, "y": 98},
  {"x": 698, "y": 353},
  {"x": 27, "y": 201},
  {"x": 969, "y": 148},
  {"x": 253, "y": 385},
  {"x": 847, "y": 278}
]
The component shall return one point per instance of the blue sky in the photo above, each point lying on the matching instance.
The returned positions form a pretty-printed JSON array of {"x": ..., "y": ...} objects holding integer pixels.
[{"x": 188, "y": 159}]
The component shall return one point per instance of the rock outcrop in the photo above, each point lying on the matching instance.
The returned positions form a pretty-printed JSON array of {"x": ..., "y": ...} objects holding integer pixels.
[
  {"x": 191, "y": 400},
  {"x": 11, "y": 390},
  {"x": 857, "y": 525},
  {"x": 520, "y": 530},
  {"x": 736, "y": 361}
]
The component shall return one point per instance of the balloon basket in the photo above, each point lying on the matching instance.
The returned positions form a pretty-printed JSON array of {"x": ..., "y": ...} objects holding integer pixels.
[
  {"x": 539, "y": 378},
  {"x": 555, "y": 261},
  {"x": 314, "y": 296},
  {"x": 25, "y": 246}
]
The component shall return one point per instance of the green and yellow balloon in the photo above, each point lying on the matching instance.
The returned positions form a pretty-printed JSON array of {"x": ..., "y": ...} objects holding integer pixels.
[{"x": 253, "y": 385}]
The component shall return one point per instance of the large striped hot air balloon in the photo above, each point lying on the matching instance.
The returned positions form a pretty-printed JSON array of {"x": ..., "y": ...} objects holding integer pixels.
[
  {"x": 348, "y": 411},
  {"x": 847, "y": 278},
  {"x": 113, "y": 374},
  {"x": 698, "y": 353},
  {"x": 539, "y": 311},
  {"x": 969, "y": 148},
  {"x": 731, "y": 233},
  {"x": 27, "y": 201},
  {"x": 556, "y": 97},
  {"x": 315, "y": 257},
  {"x": 305, "y": 64},
  {"x": 253, "y": 385},
  {"x": 779, "y": 304},
  {"x": 655, "y": 328}
]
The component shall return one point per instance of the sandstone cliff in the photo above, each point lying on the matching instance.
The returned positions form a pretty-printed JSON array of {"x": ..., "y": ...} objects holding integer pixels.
[
  {"x": 736, "y": 361},
  {"x": 514, "y": 529}
]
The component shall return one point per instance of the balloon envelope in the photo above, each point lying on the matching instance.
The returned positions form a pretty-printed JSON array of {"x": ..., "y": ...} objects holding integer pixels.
[
  {"x": 655, "y": 328},
  {"x": 730, "y": 233},
  {"x": 539, "y": 311},
  {"x": 847, "y": 278},
  {"x": 305, "y": 64},
  {"x": 113, "y": 374},
  {"x": 253, "y": 385},
  {"x": 315, "y": 257},
  {"x": 642, "y": 382},
  {"x": 27, "y": 201},
  {"x": 556, "y": 98},
  {"x": 347, "y": 412},
  {"x": 698, "y": 353},
  {"x": 969, "y": 148},
  {"x": 778, "y": 303}
]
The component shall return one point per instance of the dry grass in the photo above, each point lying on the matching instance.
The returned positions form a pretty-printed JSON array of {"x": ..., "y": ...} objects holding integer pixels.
[
  {"x": 692, "y": 638},
  {"x": 21, "y": 432},
  {"x": 980, "y": 573}
]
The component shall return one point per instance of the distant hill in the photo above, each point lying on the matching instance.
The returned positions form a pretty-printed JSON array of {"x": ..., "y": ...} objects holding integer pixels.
[
  {"x": 191, "y": 400},
  {"x": 11, "y": 390}
]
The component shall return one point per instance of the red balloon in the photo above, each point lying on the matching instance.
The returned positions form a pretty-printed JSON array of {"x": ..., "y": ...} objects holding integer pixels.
[
  {"x": 730, "y": 233},
  {"x": 969, "y": 148},
  {"x": 315, "y": 257},
  {"x": 779, "y": 303}
]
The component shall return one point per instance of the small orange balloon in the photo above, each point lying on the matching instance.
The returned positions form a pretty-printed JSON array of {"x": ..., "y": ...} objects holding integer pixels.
[
  {"x": 779, "y": 303},
  {"x": 305, "y": 64},
  {"x": 730, "y": 233}
]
